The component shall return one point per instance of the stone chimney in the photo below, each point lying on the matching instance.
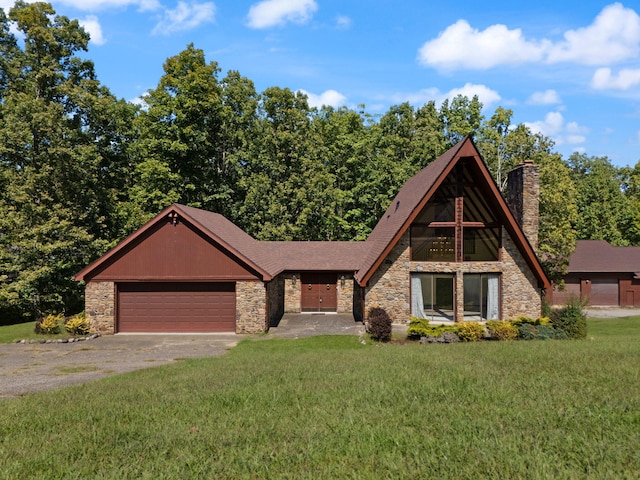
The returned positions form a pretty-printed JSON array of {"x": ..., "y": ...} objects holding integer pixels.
[{"x": 523, "y": 198}]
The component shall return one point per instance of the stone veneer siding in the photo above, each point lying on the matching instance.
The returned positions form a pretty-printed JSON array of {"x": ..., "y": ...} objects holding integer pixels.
[
  {"x": 389, "y": 287},
  {"x": 523, "y": 198},
  {"x": 251, "y": 307},
  {"x": 292, "y": 292},
  {"x": 345, "y": 294},
  {"x": 99, "y": 307}
]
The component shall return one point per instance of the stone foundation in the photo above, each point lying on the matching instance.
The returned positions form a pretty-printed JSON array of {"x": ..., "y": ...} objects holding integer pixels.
[{"x": 100, "y": 307}]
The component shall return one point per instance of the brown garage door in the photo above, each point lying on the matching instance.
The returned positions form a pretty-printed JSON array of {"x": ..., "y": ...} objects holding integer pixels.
[
  {"x": 176, "y": 307},
  {"x": 604, "y": 291}
]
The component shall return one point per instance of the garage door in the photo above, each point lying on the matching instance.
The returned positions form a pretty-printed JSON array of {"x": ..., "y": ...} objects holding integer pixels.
[
  {"x": 176, "y": 307},
  {"x": 604, "y": 291}
]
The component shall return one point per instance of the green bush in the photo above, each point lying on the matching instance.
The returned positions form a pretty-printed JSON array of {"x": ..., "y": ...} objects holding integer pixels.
[
  {"x": 502, "y": 330},
  {"x": 470, "y": 331},
  {"x": 526, "y": 331},
  {"x": 571, "y": 319},
  {"x": 419, "y": 327},
  {"x": 77, "y": 325},
  {"x": 49, "y": 325},
  {"x": 379, "y": 324}
]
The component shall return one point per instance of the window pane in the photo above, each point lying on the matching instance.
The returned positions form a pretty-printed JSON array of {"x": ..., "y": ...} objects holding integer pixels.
[
  {"x": 481, "y": 297},
  {"x": 441, "y": 207},
  {"x": 481, "y": 244},
  {"x": 432, "y": 244},
  {"x": 432, "y": 296}
]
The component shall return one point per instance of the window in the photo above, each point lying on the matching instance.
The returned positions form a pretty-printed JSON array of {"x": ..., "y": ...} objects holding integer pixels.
[
  {"x": 458, "y": 223},
  {"x": 432, "y": 244},
  {"x": 481, "y": 296},
  {"x": 432, "y": 296}
]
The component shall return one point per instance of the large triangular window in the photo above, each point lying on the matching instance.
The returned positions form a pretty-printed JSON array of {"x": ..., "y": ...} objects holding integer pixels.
[{"x": 458, "y": 223}]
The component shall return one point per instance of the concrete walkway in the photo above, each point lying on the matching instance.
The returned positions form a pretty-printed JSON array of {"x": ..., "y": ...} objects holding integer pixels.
[{"x": 298, "y": 325}]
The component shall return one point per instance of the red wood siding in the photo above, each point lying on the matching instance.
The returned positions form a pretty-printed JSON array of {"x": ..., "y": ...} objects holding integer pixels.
[
  {"x": 173, "y": 252},
  {"x": 604, "y": 291},
  {"x": 319, "y": 292},
  {"x": 176, "y": 307}
]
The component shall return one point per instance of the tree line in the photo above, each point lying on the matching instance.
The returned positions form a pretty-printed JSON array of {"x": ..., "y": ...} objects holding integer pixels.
[{"x": 80, "y": 169}]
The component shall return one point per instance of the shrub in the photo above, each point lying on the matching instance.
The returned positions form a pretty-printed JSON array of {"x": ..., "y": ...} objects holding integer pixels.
[
  {"x": 571, "y": 319},
  {"x": 379, "y": 324},
  {"x": 526, "y": 331},
  {"x": 523, "y": 320},
  {"x": 49, "y": 325},
  {"x": 502, "y": 330},
  {"x": 470, "y": 331},
  {"x": 419, "y": 327},
  {"x": 77, "y": 325}
]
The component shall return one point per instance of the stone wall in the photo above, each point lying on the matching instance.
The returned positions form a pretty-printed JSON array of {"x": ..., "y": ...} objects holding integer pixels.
[
  {"x": 389, "y": 287},
  {"x": 251, "y": 307},
  {"x": 100, "y": 307},
  {"x": 523, "y": 198},
  {"x": 292, "y": 292},
  {"x": 345, "y": 293},
  {"x": 520, "y": 291}
]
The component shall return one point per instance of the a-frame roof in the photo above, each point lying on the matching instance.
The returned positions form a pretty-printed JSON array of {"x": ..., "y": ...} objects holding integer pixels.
[
  {"x": 213, "y": 225},
  {"x": 415, "y": 194}
]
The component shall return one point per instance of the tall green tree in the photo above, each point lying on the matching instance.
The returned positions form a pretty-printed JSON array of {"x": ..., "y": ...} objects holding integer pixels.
[
  {"x": 61, "y": 162},
  {"x": 605, "y": 211}
]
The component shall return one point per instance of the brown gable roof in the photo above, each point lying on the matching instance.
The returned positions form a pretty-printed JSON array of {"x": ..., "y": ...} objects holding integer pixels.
[
  {"x": 393, "y": 223},
  {"x": 312, "y": 256},
  {"x": 220, "y": 230},
  {"x": 414, "y": 195},
  {"x": 598, "y": 256}
]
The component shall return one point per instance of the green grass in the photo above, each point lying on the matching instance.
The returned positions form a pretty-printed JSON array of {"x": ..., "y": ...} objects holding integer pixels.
[
  {"x": 26, "y": 331},
  {"x": 330, "y": 407}
]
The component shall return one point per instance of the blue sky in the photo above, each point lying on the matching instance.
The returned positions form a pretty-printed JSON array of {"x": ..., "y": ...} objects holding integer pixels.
[{"x": 570, "y": 70}]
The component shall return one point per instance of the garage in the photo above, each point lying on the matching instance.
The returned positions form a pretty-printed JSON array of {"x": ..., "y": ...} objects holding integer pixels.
[
  {"x": 176, "y": 307},
  {"x": 604, "y": 291}
]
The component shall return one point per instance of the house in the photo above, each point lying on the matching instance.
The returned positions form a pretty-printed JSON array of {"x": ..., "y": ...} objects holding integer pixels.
[
  {"x": 448, "y": 249},
  {"x": 602, "y": 275}
]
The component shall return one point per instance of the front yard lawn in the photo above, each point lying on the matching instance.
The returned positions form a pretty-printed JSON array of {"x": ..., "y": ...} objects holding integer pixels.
[{"x": 330, "y": 407}]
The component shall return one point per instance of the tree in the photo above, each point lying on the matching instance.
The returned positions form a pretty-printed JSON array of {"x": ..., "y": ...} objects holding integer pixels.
[
  {"x": 61, "y": 162},
  {"x": 605, "y": 212}
]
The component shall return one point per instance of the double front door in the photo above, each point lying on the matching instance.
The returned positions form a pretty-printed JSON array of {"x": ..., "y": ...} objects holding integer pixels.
[{"x": 319, "y": 292}]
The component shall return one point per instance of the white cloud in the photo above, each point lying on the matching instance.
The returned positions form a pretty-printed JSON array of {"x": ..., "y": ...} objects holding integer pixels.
[
  {"x": 91, "y": 24},
  {"x": 613, "y": 37},
  {"x": 548, "y": 97},
  {"x": 343, "y": 21},
  {"x": 486, "y": 95},
  {"x": 270, "y": 13},
  {"x": 555, "y": 127},
  {"x": 330, "y": 97},
  {"x": 185, "y": 17},
  {"x": 461, "y": 46},
  {"x": 603, "y": 79}
]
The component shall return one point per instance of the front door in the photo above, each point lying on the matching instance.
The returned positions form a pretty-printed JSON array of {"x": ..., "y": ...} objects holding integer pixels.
[{"x": 319, "y": 292}]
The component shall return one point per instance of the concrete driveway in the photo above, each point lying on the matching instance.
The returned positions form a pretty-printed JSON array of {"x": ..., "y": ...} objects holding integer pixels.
[
  {"x": 27, "y": 368},
  {"x": 34, "y": 367}
]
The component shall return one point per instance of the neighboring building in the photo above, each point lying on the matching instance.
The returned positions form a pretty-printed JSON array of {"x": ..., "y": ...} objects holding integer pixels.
[
  {"x": 448, "y": 249},
  {"x": 602, "y": 275}
]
